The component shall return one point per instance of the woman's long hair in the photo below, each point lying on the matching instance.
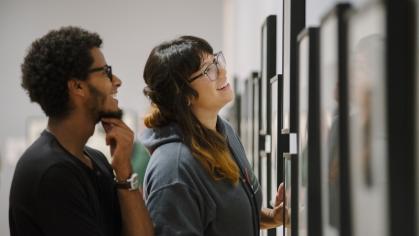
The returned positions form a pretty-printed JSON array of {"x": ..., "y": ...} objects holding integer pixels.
[{"x": 166, "y": 75}]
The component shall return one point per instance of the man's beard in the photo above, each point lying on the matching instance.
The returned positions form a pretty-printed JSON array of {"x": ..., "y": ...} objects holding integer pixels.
[
  {"x": 111, "y": 114},
  {"x": 99, "y": 98}
]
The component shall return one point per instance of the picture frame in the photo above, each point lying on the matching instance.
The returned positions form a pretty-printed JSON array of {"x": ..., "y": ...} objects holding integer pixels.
[
  {"x": 277, "y": 169},
  {"x": 293, "y": 23},
  {"x": 333, "y": 111},
  {"x": 368, "y": 136},
  {"x": 309, "y": 194},
  {"x": 268, "y": 70},
  {"x": 256, "y": 83}
]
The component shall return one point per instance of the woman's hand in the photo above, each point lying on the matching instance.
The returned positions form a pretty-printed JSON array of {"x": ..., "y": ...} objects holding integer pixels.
[{"x": 271, "y": 218}]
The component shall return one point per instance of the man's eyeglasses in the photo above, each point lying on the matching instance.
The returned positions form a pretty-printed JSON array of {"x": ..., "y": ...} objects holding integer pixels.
[
  {"x": 106, "y": 68},
  {"x": 212, "y": 70}
]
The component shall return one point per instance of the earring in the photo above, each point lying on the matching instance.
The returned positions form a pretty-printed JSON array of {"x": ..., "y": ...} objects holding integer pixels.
[{"x": 189, "y": 103}]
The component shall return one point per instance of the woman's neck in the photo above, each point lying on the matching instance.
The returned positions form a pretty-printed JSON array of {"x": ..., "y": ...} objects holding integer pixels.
[{"x": 208, "y": 119}]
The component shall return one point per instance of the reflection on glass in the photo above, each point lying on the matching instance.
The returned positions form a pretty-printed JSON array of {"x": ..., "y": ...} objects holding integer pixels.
[
  {"x": 274, "y": 135},
  {"x": 264, "y": 85},
  {"x": 287, "y": 181},
  {"x": 303, "y": 77},
  {"x": 286, "y": 63},
  {"x": 367, "y": 120},
  {"x": 276, "y": 170},
  {"x": 256, "y": 98},
  {"x": 329, "y": 130}
]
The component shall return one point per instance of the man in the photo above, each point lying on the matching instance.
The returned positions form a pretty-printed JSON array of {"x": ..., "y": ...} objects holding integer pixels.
[{"x": 60, "y": 186}]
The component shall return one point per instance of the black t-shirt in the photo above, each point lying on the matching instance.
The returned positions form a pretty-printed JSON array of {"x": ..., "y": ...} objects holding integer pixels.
[{"x": 54, "y": 193}]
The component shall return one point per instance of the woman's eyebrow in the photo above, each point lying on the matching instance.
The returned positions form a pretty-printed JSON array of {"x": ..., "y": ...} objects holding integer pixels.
[{"x": 207, "y": 63}]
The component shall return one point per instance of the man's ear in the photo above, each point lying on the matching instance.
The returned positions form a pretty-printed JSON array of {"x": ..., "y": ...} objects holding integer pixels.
[{"x": 76, "y": 87}]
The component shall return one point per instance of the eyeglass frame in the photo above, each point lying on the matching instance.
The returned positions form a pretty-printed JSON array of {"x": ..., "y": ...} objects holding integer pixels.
[
  {"x": 106, "y": 68},
  {"x": 214, "y": 62}
]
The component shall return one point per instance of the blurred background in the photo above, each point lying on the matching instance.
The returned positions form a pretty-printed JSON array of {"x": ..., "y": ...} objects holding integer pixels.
[{"x": 130, "y": 29}]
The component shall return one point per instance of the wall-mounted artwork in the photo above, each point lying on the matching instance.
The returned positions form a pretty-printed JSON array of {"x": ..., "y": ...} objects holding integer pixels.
[
  {"x": 309, "y": 196},
  {"x": 333, "y": 122},
  {"x": 367, "y": 119}
]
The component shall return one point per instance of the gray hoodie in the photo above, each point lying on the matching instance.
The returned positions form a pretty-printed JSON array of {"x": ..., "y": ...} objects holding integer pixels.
[{"x": 182, "y": 197}]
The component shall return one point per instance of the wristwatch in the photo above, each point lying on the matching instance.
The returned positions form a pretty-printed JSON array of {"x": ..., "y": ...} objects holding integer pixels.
[{"x": 132, "y": 183}]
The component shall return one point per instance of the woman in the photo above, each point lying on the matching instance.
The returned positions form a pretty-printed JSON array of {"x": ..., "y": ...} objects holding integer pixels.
[{"x": 198, "y": 181}]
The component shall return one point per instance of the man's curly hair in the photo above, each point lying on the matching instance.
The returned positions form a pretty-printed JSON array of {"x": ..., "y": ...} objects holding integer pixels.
[{"x": 54, "y": 59}]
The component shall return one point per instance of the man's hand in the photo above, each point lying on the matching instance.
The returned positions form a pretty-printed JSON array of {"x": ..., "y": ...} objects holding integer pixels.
[{"x": 120, "y": 138}]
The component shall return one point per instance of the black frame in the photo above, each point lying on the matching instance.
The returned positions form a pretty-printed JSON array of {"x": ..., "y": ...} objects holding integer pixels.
[
  {"x": 255, "y": 125},
  {"x": 335, "y": 90},
  {"x": 309, "y": 146},
  {"x": 268, "y": 69},
  {"x": 400, "y": 49},
  {"x": 277, "y": 168},
  {"x": 416, "y": 105},
  {"x": 293, "y": 23}
]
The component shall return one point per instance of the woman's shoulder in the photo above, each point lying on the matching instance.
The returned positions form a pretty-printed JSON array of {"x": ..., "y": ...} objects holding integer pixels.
[{"x": 171, "y": 162}]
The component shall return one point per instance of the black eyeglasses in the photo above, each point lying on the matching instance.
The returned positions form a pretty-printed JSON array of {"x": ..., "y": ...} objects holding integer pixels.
[
  {"x": 106, "y": 68},
  {"x": 212, "y": 70}
]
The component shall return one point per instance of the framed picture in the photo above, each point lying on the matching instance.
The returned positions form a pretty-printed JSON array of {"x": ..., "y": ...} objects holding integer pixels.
[
  {"x": 333, "y": 123},
  {"x": 277, "y": 170},
  {"x": 233, "y": 111},
  {"x": 368, "y": 140},
  {"x": 255, "y": 125},
  {"x": 247, "y": 119},
  {"x": 288, "y": 194},
  {"x": 268, "y": 68},
  {"x": 293, "y": 23},
  {"x": 309, "y": 197}
]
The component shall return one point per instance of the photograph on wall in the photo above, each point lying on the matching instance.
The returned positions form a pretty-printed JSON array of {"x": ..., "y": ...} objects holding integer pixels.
[
  {"x": 333, "y": 115},
  {"x": 308, "y": 133},
  {"x": 367, "y": 119},
  {"x": 303, "y": 91}
]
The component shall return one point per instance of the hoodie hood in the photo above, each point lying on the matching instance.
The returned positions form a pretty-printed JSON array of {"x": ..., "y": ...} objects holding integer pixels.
[{"x": 153, "y": 138}]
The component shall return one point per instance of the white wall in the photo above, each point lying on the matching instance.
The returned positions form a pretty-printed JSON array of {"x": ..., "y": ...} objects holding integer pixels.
[
  {"x": 242, "y": 26},
  {"x": 242, "y": 33},
  {"x": 129, "y": 28}
]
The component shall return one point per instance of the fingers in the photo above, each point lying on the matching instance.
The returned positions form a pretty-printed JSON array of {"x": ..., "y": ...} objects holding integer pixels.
[
  {"x": 279, "y": 198},
  {"x": 119, "y": 136},
  {"x": 114, "y": 122}
]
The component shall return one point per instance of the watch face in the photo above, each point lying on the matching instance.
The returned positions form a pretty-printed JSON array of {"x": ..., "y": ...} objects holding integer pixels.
[{"x": 135, "y": 181}]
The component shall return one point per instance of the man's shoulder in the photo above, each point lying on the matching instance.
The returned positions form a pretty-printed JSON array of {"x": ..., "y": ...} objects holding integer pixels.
[{"x": 44, "y": 152}]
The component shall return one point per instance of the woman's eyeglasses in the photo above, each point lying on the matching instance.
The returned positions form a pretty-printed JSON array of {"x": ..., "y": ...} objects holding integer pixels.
[{"x": 212, "y": 70}]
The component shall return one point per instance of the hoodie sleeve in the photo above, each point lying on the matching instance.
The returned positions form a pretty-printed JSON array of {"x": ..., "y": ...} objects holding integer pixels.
[{"x": 175, "y": 210}]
